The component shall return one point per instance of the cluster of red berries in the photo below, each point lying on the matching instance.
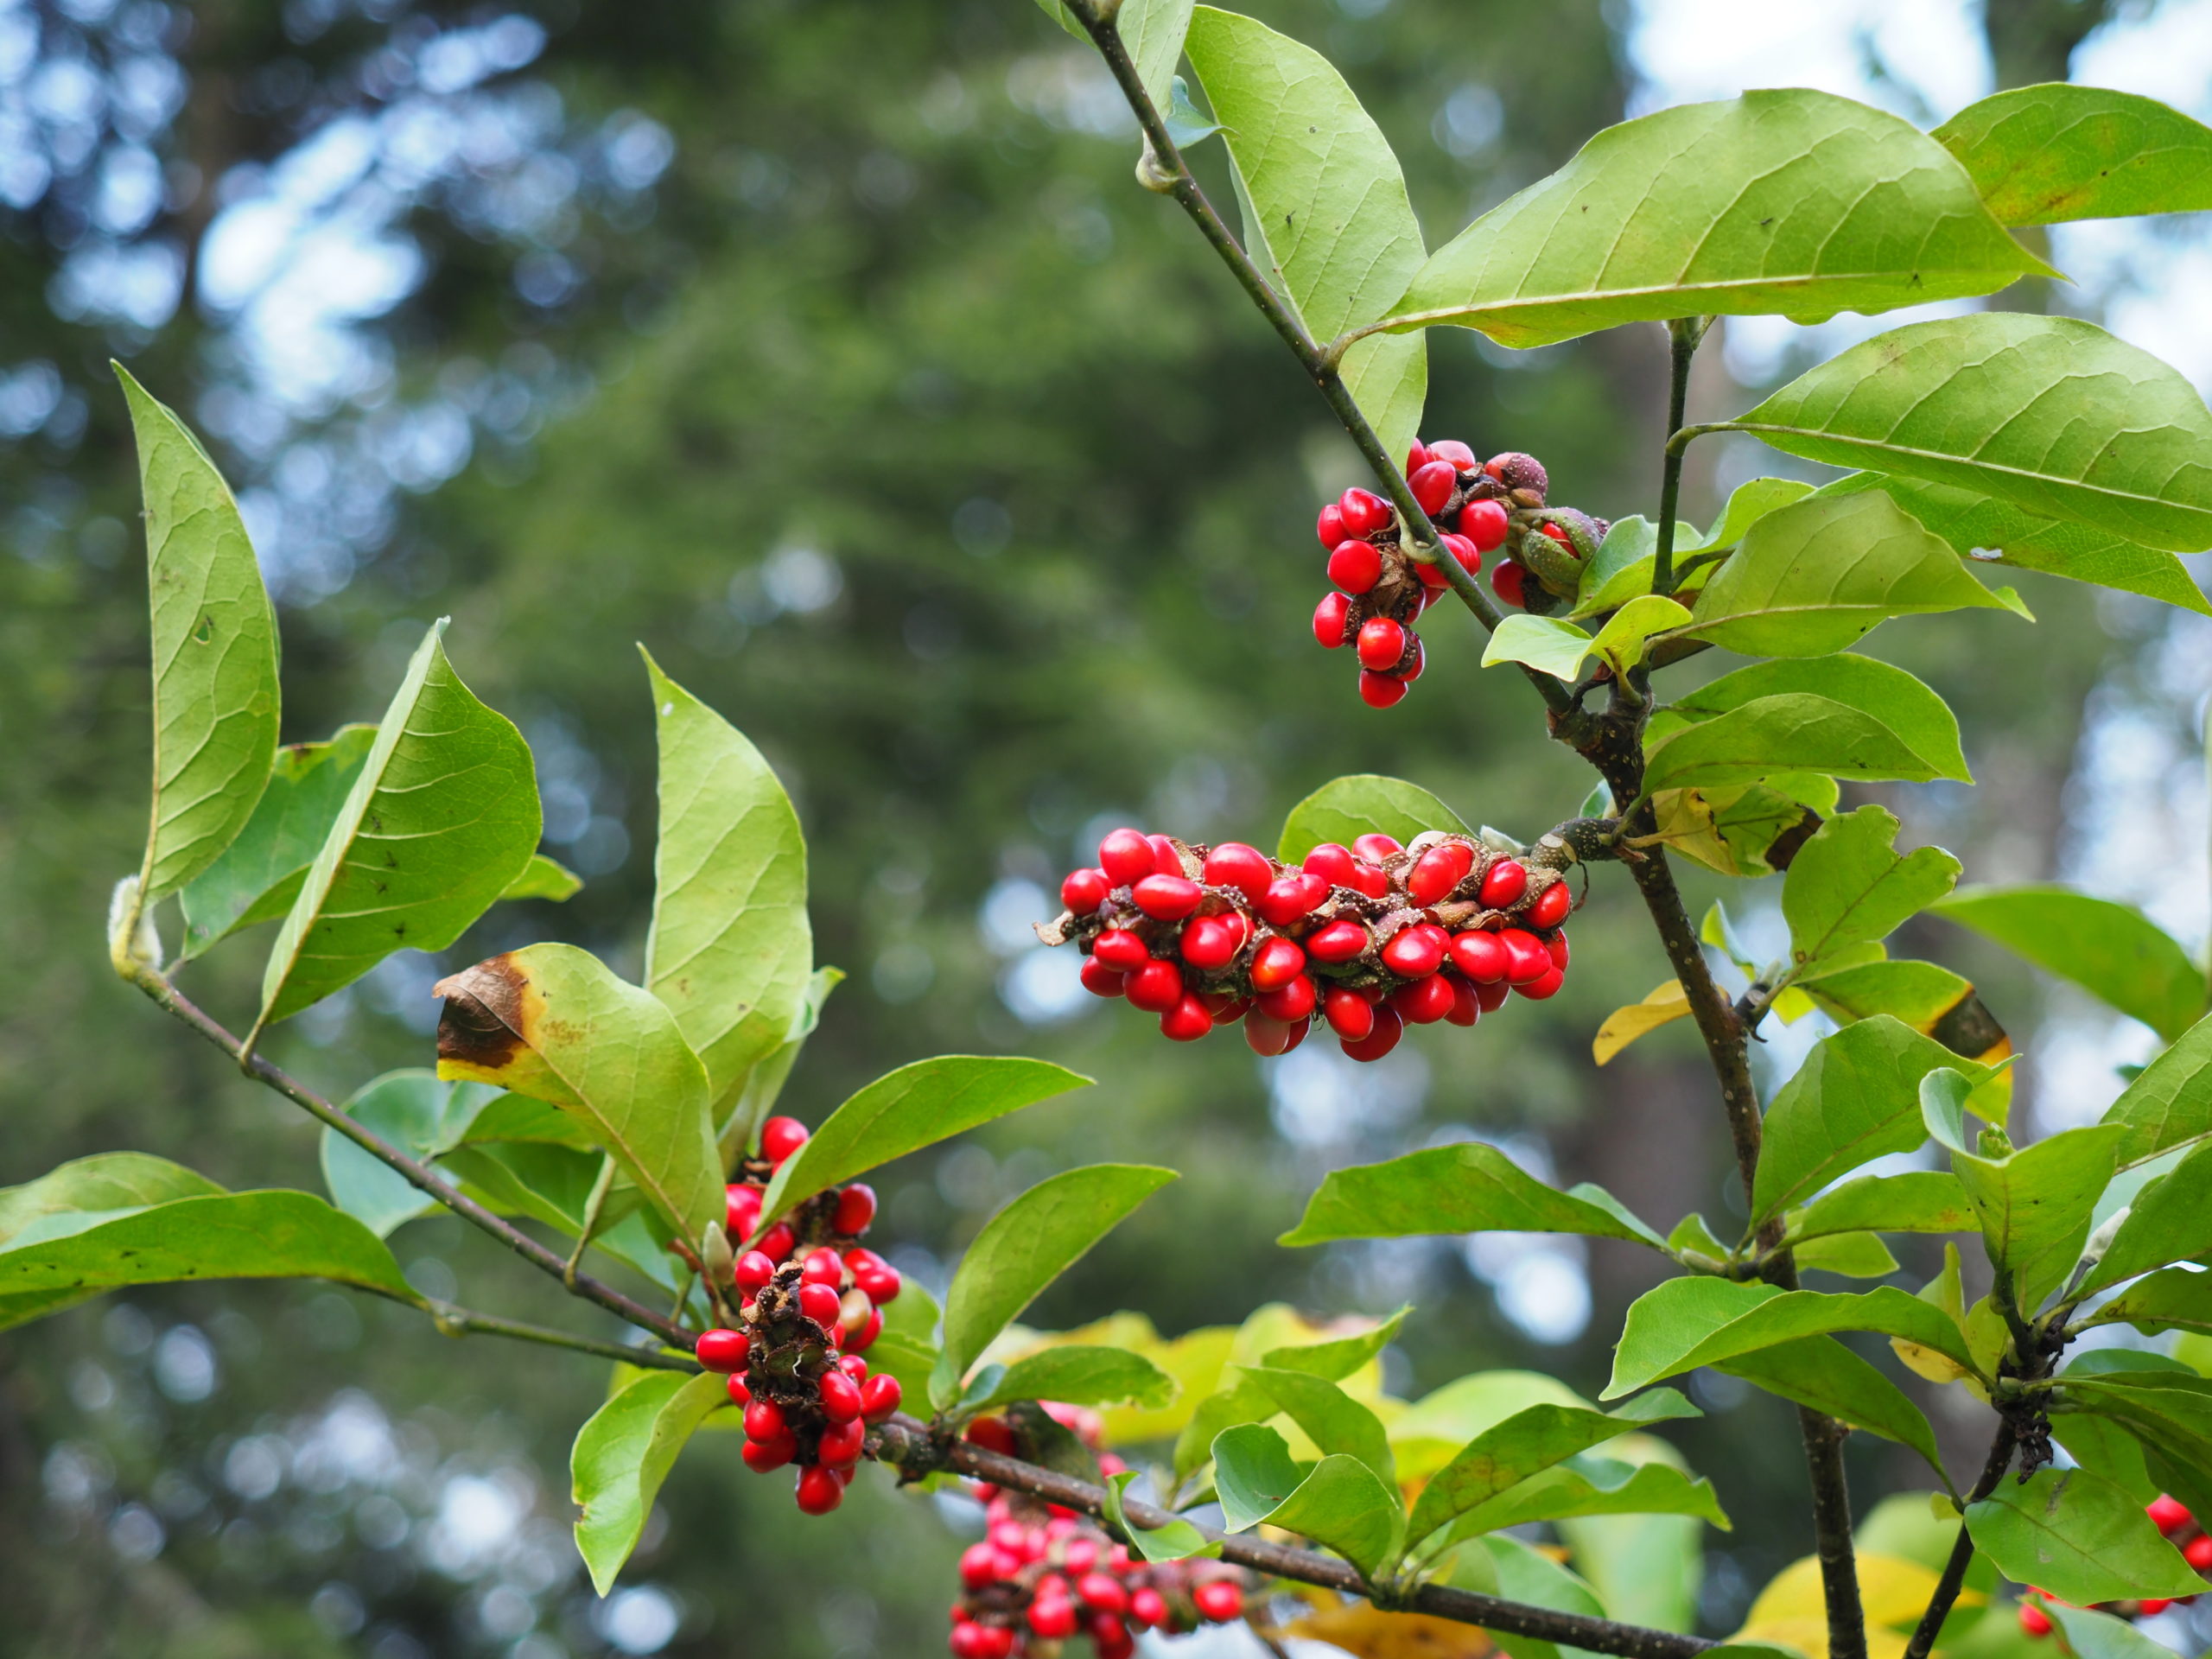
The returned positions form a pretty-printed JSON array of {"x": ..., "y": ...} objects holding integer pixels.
[
  {"x": 1044, "y": 1573},
  {"x": 1369, "y": 937},
  {"x": 2173, "y": 1519},
  {"x": 810, "y": 1301},
  {"x": 1380, "y": 589}
]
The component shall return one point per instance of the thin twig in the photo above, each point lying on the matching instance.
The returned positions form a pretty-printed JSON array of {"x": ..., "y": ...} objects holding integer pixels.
[
  {"x": 465, "y": 1321},
  {"x": 1955, "y": 1569},
  {"x": 1683, "y": 335}
]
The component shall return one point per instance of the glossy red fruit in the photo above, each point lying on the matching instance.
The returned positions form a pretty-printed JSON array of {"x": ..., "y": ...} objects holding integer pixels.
[
  {"x": 1457, "y": 452},
  {"x": 1439, "y": 870},
  {"x": 1555, "y": 947},
  {"x": 1100, "y": 980},
  {"x": 1349, "y": 1014},
  {"x": 821, "y": 1304},
  {"x": 1276, "y": 963},
  {"x": 2197, "y": 1552},
  {"x": 823, "y": 1266},
  {"x": 819, "y": 1491},
  {"x": 739, "y": 1394},
  {"x": 880, "y": 1285},
  {"x": 764, "y": 1422},
  {"x": 1486, "y": 524},
  {"x": 722, "y": 1350},
  {"x": 841, "y": 1396},
  {"x": 1382, "y": 642},
  {"x": 1104, "y": 1591},
  {"x": 1209, "y": 942},
  {"x": 1370, "y": 880},
  {"x": 1381, "y": 691},
  {"x": 1417, "y": 457},
  {"x": 2170, "y": 1515},
  {"x": 1493, "y": 997},
  {"x": 1432, "y": 486},
  {"x": 1111, "y": 1637},
  {"x": 978, "y": 1567},
  {"x": 1425, "y": 1001},
  {"x": 1330, "y": 526},
  {"x": 1120, "y": 950},
  {"x": 880, "y": 1397},
  {"x": 1466, "y": 1005},
  {"x": 1268, "y": 1037},
  {"x": 1408, "y": 670},
  {"x": 1079, "y": 1555},
  {"x": 1219, "y": 1600},
  {"x": 855, "y": 1367},
  {"x": 1376, "y": 848},
  {"x": 1507, "y": 583},
  {"x": 1166, "y": 857},
  {"x": 1364, "y": 513},
  {"x": 779, "y": 1241},
  {"x": 1380, "y": 1041},
  {"x": 1226, "y": 1008},
  {"x": 1526, "y": 959},
  {"x": 1054, "y": 1619},
  {"x": 761, "y": 1456},
  {"x": 1504, "y": 883},
  {"x": 1083, "y": 891},
  {"x": 780, "y": 1137},
  {"x": 1126, "y": 856},
  {"x": 1412, "y": 953},
  {"x": 2034, "y": 1620},
  {"x": 1356, "y": 566},
  {"x": 842, "y": 1443},
  {"x": 1333, "y": 864},
  {"x": 1167, "y": 898},
  {"x": 741, "y": 1211},
  {"x": 1288, "y": 898},
  {"x": 1290, "y": 1002},
  {"x": 857, "y": 1342},
  {"x": 1233, "y": 864},
  {"x": 754, "y": 1269},
  {"x": 1329, "y": 618},
  {"x": 1148, "y": 1609},
  {"x": 993, "y": 1434},
  {"x": 1548, "y": 985},
  {"x": 1550, "y": 907},
  {"x": 1156, "y": 987},
  {"x": 1338, "y": 941},
  {"x": 1187, "y": 1021},
  {"x": 1464, "y": 550},
  {"x": 2157, "y": 1605}
]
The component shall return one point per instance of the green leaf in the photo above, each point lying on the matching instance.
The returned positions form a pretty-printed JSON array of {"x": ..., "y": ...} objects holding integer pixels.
[
  {"x": 1737, "y": 829},
  {"x": 2093, "y": 1634},
  {"x": 1822, "y": 574},
  {"x": 442, "y": 818},
  {"x": 1686, "y": 1323},
  {"x": 2079, "y": 1536},
  {"x": 1177, "y": 1540},
  {"x": 1621, "y": 642},
  {"x": 914, "y": 1107},
  {"x": 764, "y": 1085},
  {"x": 1467, "y": 1188},
  {"x": 1915, "y": 714},
  {"x": 2169, "y": 1103},
  {"x": 2168, "y": 1411},
  {"x": 1326, "y": 211},
  {"x": 1933, "y": 1000},
  {"x": 547, "y": 879},
  {"x": 623, "y": 1453},
  {"x": 1747, "y": 504},
  {"x": 1856, "y": 1098},
  {"x": 2112, "y": 951},
  {"x": 2042, "y": 154},
  {"x": 1253, "y": 1474},
  {"x": 1342, "y": 1505},
  {"x": 1794, "y": 732},
  {"x": 259, "y": 873},
  {"x": 730, "y": 948},
  {"x": 1526, "y": 1444},
  {"x": 1849, "y": 885},
  {"x": 1152, "y": 33},
  {"x": 1331, "y": 1418},
  {"x": 1979, "y": 527},
  {"x": 1520, "y": 1571},
  {"x": 1021, "y": 1249},
  {"x": 105, "y": 1184},
  {"x": 1852, "y": 1255},
  {"x": 1545, "y": 643},
  {"x": 1790, "y": 201},
  {"x": 2035, "y": 1206},
  {"x": 1821, "y": 1373},
  {"x": 414, "y": 1111},
  {"x": 1621, "y": 568},
  {"x": 2170, "y": 1220},
  {"x": 2177, "y": 1300},
  {"x": 1595, "y": 1486},
  {"x": 1919, "y": 1201},
  {"x": 215, "y": 652},
  {"x": 553, "y": 1022},
  {"x": 1646, "y": 1568},
  {"x": 517, "y": 1117},
  {"x": 1075, "y": 1374},
  {"x": 1347, "y": 807},
  {"x": 2049, "y": 413}
]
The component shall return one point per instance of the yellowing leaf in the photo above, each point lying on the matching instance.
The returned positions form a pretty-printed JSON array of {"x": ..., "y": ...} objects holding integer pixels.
[
  {"x": 1666, "y": 1004},
  {"x": 1360, "y": 1628},
  {"x": 1792, "y": 1609},
  {"x": 1195, "y": 1359}
]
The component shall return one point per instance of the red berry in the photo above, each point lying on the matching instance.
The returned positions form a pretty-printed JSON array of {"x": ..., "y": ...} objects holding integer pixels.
[
  {"x": 1329, "y": 619},
  {"x": 1233, "y": 864},
  {"x": 1330, "y": 526},
  {"x": 1226, "y": 1008},
  {"x": 1156, "y": 987},
  {"x": 855, "y": 1367},
  {"x": 1555, "y": 947},
  {"x": 1219, "y": 1600},
  {"x": 841, "y": 1445},
  {"x": 1417, "y": 457},
  {"x": 2034, "y": 1620},
  {"x": 1467, "y": 1006},
  {"x": 779, "y": 1241},
  {"x": 1079, "y": 1555},
  {"x": 841, "y": 1396},
  {"x": 2197, "y": 1552},
  {"x": 1349, "y": 1014},
  {"x": 1546, "y": 985},
  {"x": 1364, "y": 513},
  {"x": 1376, "y": 848},
  {"x": 1432, "y": 486},
  {"x": 1167, "y": 898},
  {"x": 855, "y": 1209},
  {"x": 1291, "y": 897},
  {"x": 1147, "y": 1609},
  {"x": 1104, "y": 1591},
  {"x": 1338, "y": 941},
  {"x": 1275, "y": 963},
  {"x": 880, "y": 1397},
  {"x": 742, "y": 1211},
  {"x": 1558, "y": 535},
  {"x": 1464, "y": 550},
  {"x": 1126, "y": 856},
  {"x": 1380, "y": 1041},
  {"x": 993, "y": 1434},
  {"x": 857, "y": 1341},
  {"x": 1382, "y": 642},
  {"x": 1333, "y": 864},
  {"x": 1485, "y": 523},
  {"x": 1112, "y": 1638},
  {"x": 1187, "y": 1021},
  {"x": 1166, "y": 857},
  {"x": 1526, "y": 959},
  {"x": 1416, "y": 659},
  {"x": 819, "y": 1491},
  {"x": 1370, "y": 880},
  {"x": 823, "y": 1266},
  {"x": 1267, "y": 1038},
  {"x": 1412, "y": 954},
  {"x": 978, "y": 1567},
  {"x": 1120, "y": 950},
  {"x": 1504, "y": 883},
  {"x": 780, "y": 1137},
  {"x": 1506, "y": 581},
  {"x": 1439, "y": 870},
  {"x": 821, "y": 1304},
  {"x": 1551, "y": 905},
  {"x": 754, "y": 1269},
  {"x": 1053, "y": 1618},
  {"x": 1209, "y": 942},
  {"x": 1100, "y": 980},
  {"x": 1083, "y": 891},
  {"x": 2156, "y": 1604},
  {"x": 1289, "y": 1002},
  {"x": 1356, "y": 566},
  {"x": 881, "y": 1285},
  {"x": 1425, "y": 1001},
  {"x": 2169, "y": 1515},
  {"x": 764, "y": 1422},
  {"x": 739, "y": 1395},
  {"x": 761, "y": 1456},
  {"x": 1457, "y": 452},
  {"x": 1381, "y": 691},
  {"x": 1491, "y": 998},
  {"x": 722, "y": 1350}
]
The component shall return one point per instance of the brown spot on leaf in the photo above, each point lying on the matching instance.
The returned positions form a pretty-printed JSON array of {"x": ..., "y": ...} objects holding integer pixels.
[{"x": 481, "y": 1024}]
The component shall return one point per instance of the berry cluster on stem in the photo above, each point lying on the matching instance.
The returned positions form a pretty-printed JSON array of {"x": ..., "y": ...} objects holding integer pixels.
[
  {"x": 2174, "y": 1521},
  {"x": 1366, "y": 938}
]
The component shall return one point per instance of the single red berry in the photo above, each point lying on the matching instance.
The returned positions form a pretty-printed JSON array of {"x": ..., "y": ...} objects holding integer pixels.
[
  {"x": 821, "y": 1304},
  {"x": 841, "y": 1396},
  {"x": 761, "y": 1456},
  {"x": 1111, "y": 1637},
  {"x": 1415, "y": 659},
  {"x": 741, "y": 1210},
  {"x": 855, "y": 1367},
  {"x": 1333, "y": 864},
  {"x": 1268, "y": 1036},
  {"x": 1466, "y": 1006},
  {"x": 858, "y": 1341},
  {"x": 1504, "y": 883},
  {"x": 1209, "y": 942},
  {"x": 1338, "y": 941},
  {"x": 1545, "y": 985},
  {"x": 764, "y": 1422},
  {"x": 1551, "y": 905},
  {"x": 1187, "y": 1021},
  {"x": 780, "y": 1137},
  {"x": 1425, "y": 1001},
  {"x": 1457, "y": 452},
  {"x": 1276, "y": 963},
  {"x": 1437, "y": 871},
  {"x": 1166, "y": 857},
  {"x": 1412, "y": 954},
  {"x": 1104, "y": 1591},
  {"x": 1526, "y": 959},
  {"x": 1233, "y": 864},
  {"x": 993, "y": 1434},
  {"x": 1508, "y": 580},
  {"x": 881, "y": 1282},
  {"x": 2197, "y": 1552},
  {"x": 819, "y": 1491},
  {"x": 1167, "y": 898},
  {"x": 1288, "y": 1002},
  {"x": 1219, "y": 1600},
  {"x": 1156, "y": 987},
  {"x": 1079, "y": 1555},
  {"x": 1329, "y": 619},
  {"x": 1330, "y": 526},
  {"x": 1433, "y": 582},
  {"x": 1432, "y": 486},
  {"x": 1417, "y": 457},
  {"x": 1120, "y": 950},
  {"x": 779, "y": 1241},
  {"x": 739, "y": 1395},
  {"x": 1382, "y": 642},
  {"x": 1381, "y": 691},
  {"x": 1486, "y": 524},
  {"x": 1481, "y": 957},
  {"x": 2156, "y": 1604},
  {"x": 1126, "y": 856},
  {"x": 1380, "y": 1041},
  {"x": 2170, "y": 1515},
  {"x": 1083, "y": 891},
  {"x": 1349, "y": 1014},
  {"x": 880, "y": 1397},
  {"x": 823, "y": 1266},
  {"x": 1054, "y": 1619},
  {"x": 1147, "y": 1609},
  {"x": 1370, "y": 880},
  {"x": 1225, "y": 1006},
  {"x": 855, "y": 1210},
  {"x": 1376, "y": 847},
  {"x": 978, "y": 1567},
  {"x": 1559, "y": 535},
  {"x": 1464, "y": 550},
  {"x": 2034, "y": 1620},
  {"x": 964, "y": 1639},
  {"x": 1100, "y": 980},
  {"x": 1555, "y": 947},
  {"x": 1356, "y": 566},
  {"x": 754, "y": 1269},
  {"x": 1291, "y": 897},
  {"x": 722, "y": 1350},
  {"x": 842, "y": 1443},
  {"x": 1364, "y": 513},
  {"x": 1493, "y": 997}
]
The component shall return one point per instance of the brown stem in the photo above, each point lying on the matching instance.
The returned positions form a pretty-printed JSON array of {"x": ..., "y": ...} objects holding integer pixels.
[
  {"x": 1955, "y": 1569},
  {"x": 909, "y": 1445}
]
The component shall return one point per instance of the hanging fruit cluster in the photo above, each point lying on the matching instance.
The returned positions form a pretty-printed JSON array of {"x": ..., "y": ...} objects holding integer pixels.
[
  {"x": 1380, "y": 589},
  {"x": 2174, "y": 1520},
  {"x": 1367, "y": 938},
  {"x": 811, "y": 1301},
  {"x": 1044, "y": 1574}
]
